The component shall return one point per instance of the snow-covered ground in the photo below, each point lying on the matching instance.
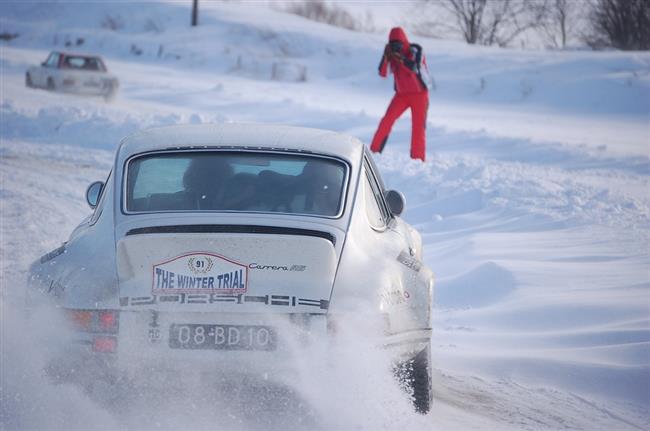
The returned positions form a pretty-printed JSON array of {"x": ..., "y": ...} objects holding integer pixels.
[{"x": 533, "y": 204}]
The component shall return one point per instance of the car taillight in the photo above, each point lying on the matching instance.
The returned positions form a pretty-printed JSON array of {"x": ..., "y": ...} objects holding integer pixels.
[
  {"x": 95, "y": 321},
  {"x": 104, "y": 344},
  {"x": 108, "y": 321},
  {"x": 81, "y": 319},
  {"x": 68, "y": 81}
]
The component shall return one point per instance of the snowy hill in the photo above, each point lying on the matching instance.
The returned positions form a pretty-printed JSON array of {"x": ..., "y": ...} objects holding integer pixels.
[{"x": 533, "y": 204}]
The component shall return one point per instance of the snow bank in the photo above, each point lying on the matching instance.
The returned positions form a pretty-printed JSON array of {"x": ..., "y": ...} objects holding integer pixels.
[{"x": 71, "y": 125}]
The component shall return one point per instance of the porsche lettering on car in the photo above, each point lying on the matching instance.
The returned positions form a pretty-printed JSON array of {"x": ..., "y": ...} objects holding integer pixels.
[{"x": 220, "y": 243}]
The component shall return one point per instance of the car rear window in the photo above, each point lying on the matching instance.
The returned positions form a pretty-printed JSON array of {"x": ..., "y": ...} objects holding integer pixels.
[
  {"x": 243, "y": 181},
  {"x": 83, "y": 63}
]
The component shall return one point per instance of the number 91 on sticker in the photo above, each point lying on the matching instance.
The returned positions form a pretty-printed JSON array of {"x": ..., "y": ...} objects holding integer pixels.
[{"x": 221, "y": 337}]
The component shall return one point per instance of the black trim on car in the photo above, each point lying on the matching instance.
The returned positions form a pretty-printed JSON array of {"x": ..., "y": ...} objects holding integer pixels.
[
  {"x": 232, "y": 228},
  {"x": 54, "y": 253}
]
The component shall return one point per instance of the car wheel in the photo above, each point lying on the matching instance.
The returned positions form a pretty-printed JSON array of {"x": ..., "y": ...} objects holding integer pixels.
[
  {"x": 50, "y": 84},
  {"x": 110, "y": 95},
  {"x": 28, "y": 80},
  {"x": 415, "y": 376}
]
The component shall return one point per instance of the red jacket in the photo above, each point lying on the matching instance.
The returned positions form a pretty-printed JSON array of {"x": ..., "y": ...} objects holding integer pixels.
[{"x": 408, "y": 78}]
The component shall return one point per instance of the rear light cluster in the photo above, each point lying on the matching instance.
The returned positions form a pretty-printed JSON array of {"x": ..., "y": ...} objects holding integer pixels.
[
  {"x": 103, "y": 324},
  {"x": 68, "y": 82},
  {"x": 104, "y": 344}
]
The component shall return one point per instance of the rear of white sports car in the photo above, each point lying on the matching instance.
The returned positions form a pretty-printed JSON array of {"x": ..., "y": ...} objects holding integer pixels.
[
  {"x": 226, "y": 254},
  {"x": 233, "y": 260},
  {"x": 246, "y": 294}
]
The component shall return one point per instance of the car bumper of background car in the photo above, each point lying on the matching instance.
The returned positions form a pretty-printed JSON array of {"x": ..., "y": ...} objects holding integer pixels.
[
  {"x": 80, "y": 90},
  {"x": 89, "y": 88}
]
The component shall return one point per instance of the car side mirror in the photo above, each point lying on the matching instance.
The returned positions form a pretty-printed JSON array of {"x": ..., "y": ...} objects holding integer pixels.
[
  {"x": 395, "y": 201},
  {"x": 43, "y": 64},
  {"x": 93, "y": 192}
]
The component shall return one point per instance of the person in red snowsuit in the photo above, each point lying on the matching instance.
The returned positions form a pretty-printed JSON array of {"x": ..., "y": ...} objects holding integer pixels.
[{"x": 409, "y": 69}]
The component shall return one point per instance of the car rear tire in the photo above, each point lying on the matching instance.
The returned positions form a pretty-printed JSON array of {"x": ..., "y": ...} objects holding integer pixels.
[
  {"x": 110, "y": 95},
  {"x": 416, "y": 377},
  {"x": 50, "y": 84},
  {"x": 28, "y": 80}
]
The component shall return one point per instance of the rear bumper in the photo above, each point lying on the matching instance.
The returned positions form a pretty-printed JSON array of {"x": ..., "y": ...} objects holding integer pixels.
[{"x": 91, "y": 89}]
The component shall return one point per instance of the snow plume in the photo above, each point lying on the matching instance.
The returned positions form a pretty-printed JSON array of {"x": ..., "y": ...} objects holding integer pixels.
[
  {"x": 344, "y": 385},
  {"x": 349, "y": 381},
  {"x": 29, "y": 397}
]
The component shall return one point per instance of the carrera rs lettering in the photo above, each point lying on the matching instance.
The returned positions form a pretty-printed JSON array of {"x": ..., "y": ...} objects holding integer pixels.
[{"x": 297, "y": 268}]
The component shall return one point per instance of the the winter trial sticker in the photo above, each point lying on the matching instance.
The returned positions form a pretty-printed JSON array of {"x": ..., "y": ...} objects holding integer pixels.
[{"x": 200, "y": 273}]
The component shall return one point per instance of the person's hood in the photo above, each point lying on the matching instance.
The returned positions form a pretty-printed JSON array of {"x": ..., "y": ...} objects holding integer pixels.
[{"x": 397, "y": 33}]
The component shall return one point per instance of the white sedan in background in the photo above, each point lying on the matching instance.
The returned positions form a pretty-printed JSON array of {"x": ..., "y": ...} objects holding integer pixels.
[
  {"x": 73, "y": 73},
  {"x": 236, "y": 244}
]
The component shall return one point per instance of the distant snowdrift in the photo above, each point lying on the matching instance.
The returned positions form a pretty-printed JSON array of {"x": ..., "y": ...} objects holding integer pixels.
[
  {"x": 70, "y": 125},
  {"x": 487, "y": 284},
  {"x": 564, "y": 82}
]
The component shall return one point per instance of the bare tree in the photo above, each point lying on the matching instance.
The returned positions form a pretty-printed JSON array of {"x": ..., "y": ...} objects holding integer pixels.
[
  {"x": 559, "y": 14},
  {"x": 622, "y": 24},
  {"x": 320, "y": 11},
  {"x": 490, "y": 22},
  {"x": 469, "y": 17},
  {"x": 561, "y": 21}
]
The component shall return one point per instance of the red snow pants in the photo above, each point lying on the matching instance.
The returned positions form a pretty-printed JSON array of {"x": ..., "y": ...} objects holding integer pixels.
[{"x": 419, "y": 103}]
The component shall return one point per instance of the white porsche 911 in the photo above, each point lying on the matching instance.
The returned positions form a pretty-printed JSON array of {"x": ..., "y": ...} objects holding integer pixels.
[
  {"x": 73, "y": 73},
  {"x": 227, "y": 243}
]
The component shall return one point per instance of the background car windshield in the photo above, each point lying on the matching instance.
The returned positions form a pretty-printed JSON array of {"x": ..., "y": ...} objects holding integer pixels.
[{"x": 223, "y": 181}]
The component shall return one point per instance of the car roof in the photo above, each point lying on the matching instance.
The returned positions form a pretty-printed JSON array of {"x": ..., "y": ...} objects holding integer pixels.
[{"x": 242, "y": 136}]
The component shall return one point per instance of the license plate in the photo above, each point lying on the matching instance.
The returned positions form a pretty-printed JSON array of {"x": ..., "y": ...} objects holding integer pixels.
[{"x": 221, "y": 337}]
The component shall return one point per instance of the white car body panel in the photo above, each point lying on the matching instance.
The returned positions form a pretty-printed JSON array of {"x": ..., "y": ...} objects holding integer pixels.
[
  {"x": 300, "y": 288},
  {"x": 296, "y": 265}
]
